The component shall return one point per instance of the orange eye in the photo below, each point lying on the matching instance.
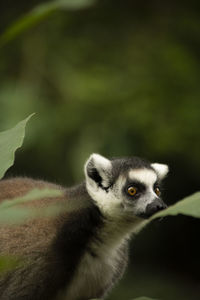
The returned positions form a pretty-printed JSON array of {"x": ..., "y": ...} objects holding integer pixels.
[
  {"x": 157, "y": 191},
  {"x": 132, "y": 191}
]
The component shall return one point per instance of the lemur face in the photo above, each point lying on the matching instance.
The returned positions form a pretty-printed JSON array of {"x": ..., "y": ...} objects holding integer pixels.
[{"x": 129, "y": 186}]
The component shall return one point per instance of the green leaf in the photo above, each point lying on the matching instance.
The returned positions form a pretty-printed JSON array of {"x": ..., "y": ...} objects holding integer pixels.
[
  {"x": 38, "y": 14},
  {"x": 189, "y": 206},
  {"x": 10, "y": 141},
  {"x": 11, "y": 213},
  {"x": 8, "y": 263},
  {"x": 34, "y": 194}
]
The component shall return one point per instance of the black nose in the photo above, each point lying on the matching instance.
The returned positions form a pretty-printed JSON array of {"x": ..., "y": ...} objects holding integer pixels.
[{"x": 154, "y": 207}]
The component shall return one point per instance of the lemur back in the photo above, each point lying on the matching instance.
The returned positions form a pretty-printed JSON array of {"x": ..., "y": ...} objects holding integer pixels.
[{"x": 80, "y": 253}]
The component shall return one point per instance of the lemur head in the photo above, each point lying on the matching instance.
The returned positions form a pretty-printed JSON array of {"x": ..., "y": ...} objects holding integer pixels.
[{"x": 125, "y": 186}]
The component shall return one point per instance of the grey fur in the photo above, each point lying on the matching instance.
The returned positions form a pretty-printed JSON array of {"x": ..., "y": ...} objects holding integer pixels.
[{"x": 81, "y": 253}]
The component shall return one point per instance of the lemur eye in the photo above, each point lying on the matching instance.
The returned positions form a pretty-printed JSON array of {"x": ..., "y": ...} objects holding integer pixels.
[
  {"x": 132, "y": 191},
  {"x": 157, "y": 191}
]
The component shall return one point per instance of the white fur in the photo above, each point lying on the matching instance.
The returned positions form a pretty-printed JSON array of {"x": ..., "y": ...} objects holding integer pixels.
[
  {"x": 161, "y": 169},
  {"x": 100, "y": 161},
  {"x": 94, "y": 272},
  {"x": 106, "y": 201},
  {"x": 146, "y": 176},
  {"x": 103, "y": 166},
  {"x": 91, "y": 275}
]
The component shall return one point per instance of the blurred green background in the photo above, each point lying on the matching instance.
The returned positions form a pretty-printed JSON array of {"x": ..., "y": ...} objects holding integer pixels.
[{"x": 121, "y": 78}]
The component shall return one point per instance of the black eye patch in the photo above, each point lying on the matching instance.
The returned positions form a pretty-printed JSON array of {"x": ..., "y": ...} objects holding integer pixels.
[{"x": 138, "y": 185}]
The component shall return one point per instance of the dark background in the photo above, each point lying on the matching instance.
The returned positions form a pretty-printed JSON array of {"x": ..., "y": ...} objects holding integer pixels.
[{"x": 121, "y": 78}]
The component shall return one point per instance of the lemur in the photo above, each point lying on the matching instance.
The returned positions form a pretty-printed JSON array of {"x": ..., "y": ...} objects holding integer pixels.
[{"x": 81, "y": 253}]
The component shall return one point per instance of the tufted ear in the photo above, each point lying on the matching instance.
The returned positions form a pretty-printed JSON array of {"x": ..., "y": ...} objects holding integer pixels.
[
  {"x": 160, "y": 169},
  {"x": 98, "y": 170}
]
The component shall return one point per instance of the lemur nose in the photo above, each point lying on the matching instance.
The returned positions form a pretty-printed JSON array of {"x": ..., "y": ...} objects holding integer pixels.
[{"x": 155, "y": 206}]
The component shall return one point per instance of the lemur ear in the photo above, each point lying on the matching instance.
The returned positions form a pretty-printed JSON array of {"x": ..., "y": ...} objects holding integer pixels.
[
  {"x": 98, "y": 170},
  {"x": 160, "y": 169}
]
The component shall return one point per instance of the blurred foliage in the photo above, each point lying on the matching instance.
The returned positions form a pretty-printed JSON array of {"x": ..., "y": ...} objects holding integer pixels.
[
  {"x": 8, "y": 263},
  {"x": 110, "y": 65},
  {"x": 12, "y": 213},
  {"x": 120, "y": 78},
  {"x": 38, "y": 14}
]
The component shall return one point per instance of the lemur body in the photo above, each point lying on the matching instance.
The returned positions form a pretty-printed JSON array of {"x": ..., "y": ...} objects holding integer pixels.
[{"x": 81, "y": 253}]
